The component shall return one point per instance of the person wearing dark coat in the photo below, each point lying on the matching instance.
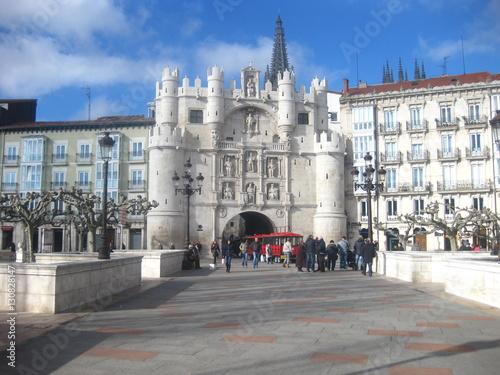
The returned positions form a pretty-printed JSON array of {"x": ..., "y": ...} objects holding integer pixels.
[
  {"x": 369, "y": 253},
  {"x": 332, "y": 254},
  {"x": 357, "y": 249},
  {"x": 310, "y": 246},
  {"x": 228, "y": 252},
  {"x": 301, "y": 254},
  {"x": 321, "y": 251}
]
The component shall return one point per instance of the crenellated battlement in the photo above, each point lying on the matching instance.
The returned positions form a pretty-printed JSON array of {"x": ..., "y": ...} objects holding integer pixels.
[
  {"x": 329, "y": 142},
  {"x": 286, "y": 77},
  {"x": 215, "y": 73}
]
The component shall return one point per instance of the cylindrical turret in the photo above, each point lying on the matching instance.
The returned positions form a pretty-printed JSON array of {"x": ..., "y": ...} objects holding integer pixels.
[
  {"x": 215, "y": 97},
  {"x": 167, "y": 98},
  {"x": 286, "y": 102},
  {"x": 321, "y": 89}
]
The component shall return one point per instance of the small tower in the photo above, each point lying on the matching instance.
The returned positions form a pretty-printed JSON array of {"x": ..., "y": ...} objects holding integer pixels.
[
  {"x": 215, "y": 99},
  {"x": 286, "y": 100},
  {"x": 279, "y": 60}
]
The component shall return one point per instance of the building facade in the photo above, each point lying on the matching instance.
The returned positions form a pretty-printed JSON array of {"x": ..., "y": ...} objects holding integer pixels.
[{"x": 434, "y": 139}]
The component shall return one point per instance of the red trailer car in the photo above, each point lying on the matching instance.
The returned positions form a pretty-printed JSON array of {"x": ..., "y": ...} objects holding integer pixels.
[{"x": 276, "y": 240}]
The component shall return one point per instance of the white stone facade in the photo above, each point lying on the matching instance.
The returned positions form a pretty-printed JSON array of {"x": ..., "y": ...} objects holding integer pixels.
[{"x": 269, "y": 157}]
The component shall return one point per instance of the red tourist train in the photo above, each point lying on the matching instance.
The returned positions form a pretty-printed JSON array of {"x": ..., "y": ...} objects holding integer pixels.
[{"x": 276, "y": 240}]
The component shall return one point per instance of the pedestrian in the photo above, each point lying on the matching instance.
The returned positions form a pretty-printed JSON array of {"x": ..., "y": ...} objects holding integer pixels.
[
  {"x": 269, "y": 254},
  {"x": 369, "y": 253},
  {"x": 321, "y": 251},
  {"x": 343, "y": 249},
  {"x": 196, "y": 256},
  {"x": 332, "y": 252},
  {"x": 301, "y": 255},
  {"x": 310, "y": 246},
  {"x": 287, "y": 252},
  {"x": 357, "y": 250},
  {"x": 228, "y": 252},
  {"x": 400, "y": 247},
  {"x": 256, "y": 252},
  {"x": 13, "y": 247},
  {"x": 215, "y": 250},
  {"x": 244, "y": 253},
  {"x": 415, "y": 247}
]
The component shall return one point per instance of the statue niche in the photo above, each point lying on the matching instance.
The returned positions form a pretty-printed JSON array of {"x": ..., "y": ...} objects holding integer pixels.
[
  {"x": 228, "y": 191},
  {"x": 251, "y": 125},
  {"x": 250, "y": 193},
  {"x": 251, "y": 161},
  {"x": 229, "y": 166},
  {"x": 273, "y": 192}
]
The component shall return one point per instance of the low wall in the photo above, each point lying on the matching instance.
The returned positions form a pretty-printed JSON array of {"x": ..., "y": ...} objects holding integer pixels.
[
  {"x": 53, "y": 288},
  {"x": 471, "y": 275},
  {"x": 155, "y": 263}
]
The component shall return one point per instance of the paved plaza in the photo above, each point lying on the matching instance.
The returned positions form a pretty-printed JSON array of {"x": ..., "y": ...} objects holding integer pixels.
[{"x": 268, "y": 320}]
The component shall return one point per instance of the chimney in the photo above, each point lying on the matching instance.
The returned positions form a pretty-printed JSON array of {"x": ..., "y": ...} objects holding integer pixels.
[{"x": 345, "y": 91}]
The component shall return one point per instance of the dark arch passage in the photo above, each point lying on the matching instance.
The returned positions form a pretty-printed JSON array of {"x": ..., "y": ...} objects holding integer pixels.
[{"x": 247, "y": 223}]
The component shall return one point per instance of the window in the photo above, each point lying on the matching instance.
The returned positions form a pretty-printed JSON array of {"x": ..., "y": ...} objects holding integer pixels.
[
  {"x": 474, "y": 113},
  {"x": 364, "y": 210},
  {"x": 137, "y": 180},
  {"x": 417, "y": 151},
  {"x": 31, "y": 177},
  {"x": 449, "y": 208},
  {"x": 449, "y": 181},
  {"x": 10, "y": 181},
  {"x": 477, "y": 173},
  {"x": 390, "y": 150},
  {"x": 60, "y": 152},
  {"x": 83, "y": 180},
  {"x": 112, "y": 175},
  {"x": 85, "y": 151},
  {"x": 137, "y": 149},
  {"x": 362, "y": 118},
  {"x": 333, "y": 116},
  {"x": 447, "y": 144},
  {"x": 418, "y": 178},
  {"x": 477, "y": 203},
  {"x": 303, "y": 119},
  {"x": 475, "y": 142},
  {"x": 392, "y": 209},
  {"x": 59, "y": 180},
  {"x": 389, "y": 120},
  {"x": 446, "y": 115},
  {"x": 416, "y": 117},
  {"x": 33, "y": 150},
  {"x": 12, "y": 154},
  {"x": 495, "y": 104},
  {"x": 362, "y": 145},
  {"x": 196, "y": 116},
  {"x": 391, "y": 180},
  {"x": 58, "y": 206},
  {"x": 418, "y": 206},
  {"x": 116, "y": 147}
]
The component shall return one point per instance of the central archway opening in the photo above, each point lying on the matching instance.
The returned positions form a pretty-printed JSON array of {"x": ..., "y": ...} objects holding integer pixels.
[{"x": 247, "y": 224}]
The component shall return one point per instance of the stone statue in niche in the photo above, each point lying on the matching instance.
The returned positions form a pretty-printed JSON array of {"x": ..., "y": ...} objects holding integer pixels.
[
  {"x": 250, "y": 196},
  {"x": 228, "y": 192},
  {"x": 273, "y": 193},
  {"x": 215, "y": 138},
  {"x": 251, "y": 124},
  {"x": 250, "y": 87},
  {"x": 251, "y": 162},
  {"x": 271, "y": 167},
  {"x": 229, "y": 166}
]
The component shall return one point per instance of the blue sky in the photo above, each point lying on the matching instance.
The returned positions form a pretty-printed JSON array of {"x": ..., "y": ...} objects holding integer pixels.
[{"x": 53, "y": 49}]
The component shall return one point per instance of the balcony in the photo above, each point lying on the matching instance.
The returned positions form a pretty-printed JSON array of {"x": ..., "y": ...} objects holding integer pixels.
[
  {"x": 85, "y": 158},
  {"x": 449, "y": 155},
  {"x": 416, "y": 127},
  {"x": 85, "y": 186},
  {"x": 59, "y": 159},
  {"x": 9, "y": 187},
  {"x": 390, "y": 128},
  {"x": 391, "y": 157},
  {"x": 446, "y": 125},
  {"x": 58, "y": 185},
  {"x": 11, "y": 160},
  {"x": 137, "y": 157},
  {"x": 407, "y": 189},
  {"x": 417, "y": 157},
  {"x": 477, "y": 154},
  {"x": 465, "y": 186},
  {"x": 136, "y": 185},
  {"x": 475, "y": 122}
]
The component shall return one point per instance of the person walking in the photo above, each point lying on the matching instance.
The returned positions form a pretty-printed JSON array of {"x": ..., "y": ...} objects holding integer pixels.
[
  {"x": 343, "y": 249},
  {"x": 244, "y": 253},
  {"x": 321, "y": 251},
  {"x": 357, "y": 250},
  {"x": 287, "y": 252},
  {"x": 215, "y": 249},
  {"x": 332, "y": 252},
  {"x": 310, "y": 246},
  {"x": 269, "y": 254},
  {"x": 301, "y": 255},
  {"x": 369, "y": 253},
  {"x": 256, "y": 252},
  {"x": 228, "y": 252}
]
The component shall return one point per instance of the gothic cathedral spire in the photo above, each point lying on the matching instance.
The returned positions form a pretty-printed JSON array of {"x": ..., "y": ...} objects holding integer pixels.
[{"x": 279, "y": 61}]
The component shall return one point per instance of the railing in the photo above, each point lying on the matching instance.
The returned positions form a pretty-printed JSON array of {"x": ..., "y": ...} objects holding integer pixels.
[
  {"x": 59, "y": 158},
  {"x": 482, "y": 153},
  {"x": 390, "y": 128},
  {"x": 58, "y": 185},
  {"x": 417, "y": 126},
  {"x": 453, "y": 154},
  {"x": 413, "y": 188},
  {"x": 446, "y": 125},
  {"x": 11, "y": 160},
  {"x": 417, "y": 157},
  {"x": 138, "y": 185},
  {"x": 136, "y": 156},
  {"x": 475, "y": 122},
  {"x": 83, "y": 185},
  {"x": 391, "y": 157},
  {"x": 9, "y": 187},
  {"x": 464, "y": 185},
  {"x": 85, "y": 158}
]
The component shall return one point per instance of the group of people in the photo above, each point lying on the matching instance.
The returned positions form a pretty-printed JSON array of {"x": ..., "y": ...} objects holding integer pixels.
[{"x": 193, "y": 252}]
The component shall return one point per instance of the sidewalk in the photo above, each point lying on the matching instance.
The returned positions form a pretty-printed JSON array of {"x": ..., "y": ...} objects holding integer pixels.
[{"x": 263, "y": 321}]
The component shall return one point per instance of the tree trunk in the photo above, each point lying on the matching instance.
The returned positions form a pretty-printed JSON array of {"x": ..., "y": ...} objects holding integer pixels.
[{"x": 91, "y": 241}]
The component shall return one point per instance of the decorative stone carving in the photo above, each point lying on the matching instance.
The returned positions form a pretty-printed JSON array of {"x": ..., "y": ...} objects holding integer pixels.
[
  {"x": 229, "y": 166},
  {"x": 250, "y": 193},
  {"x": 272, "y": 165},
  {"x": 228, "y": 191},
  {"x": 215, "y": 139},
  {"x": 251, "y": 126},
  {"x": 273, "y": 192},
  {"x": 251, "y": 162}
]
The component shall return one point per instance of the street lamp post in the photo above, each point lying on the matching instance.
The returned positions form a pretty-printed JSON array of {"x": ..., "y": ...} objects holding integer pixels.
[
  {"x": 188, "y": 189},
  {"x": 368, "y": 185},
  {"x": 106, "y": 145},
  {"x": 495, "y": 126}
]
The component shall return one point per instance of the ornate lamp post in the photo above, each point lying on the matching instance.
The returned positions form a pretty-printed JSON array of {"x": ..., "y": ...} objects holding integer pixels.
[
  {"x": 106, "y": 145},
  {"x": 368, "y": 185},
  {"x": 188, "y": 189},
  {"x": 495, "y": 126}
]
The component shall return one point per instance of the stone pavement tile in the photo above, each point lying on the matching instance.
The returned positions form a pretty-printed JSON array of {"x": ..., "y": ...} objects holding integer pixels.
[
  {"x": 405, "y": 370},
  {"x": 381, "y": 332},
  {"x": 439, "y": 347},
  {"x": 437, "y": 324},
  {"x": 316, "y": 320},
  {"x": 250, "y": 338},
  {"x": 348, "y": 310},
  {"x": 474, "y": 318},
  {"x": 415, "y": 307},
  {"x": 339, "y": 358},
  {"x": 223, "y": 326},
  {"x": 120, "y": 331}
]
